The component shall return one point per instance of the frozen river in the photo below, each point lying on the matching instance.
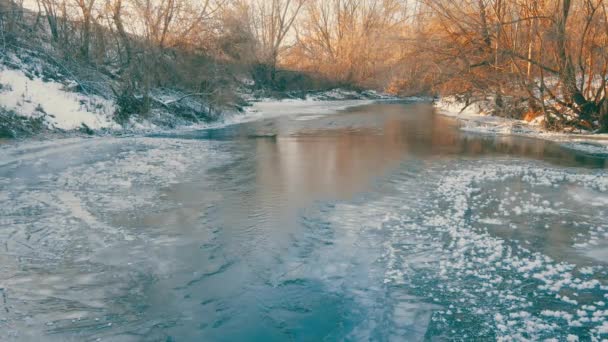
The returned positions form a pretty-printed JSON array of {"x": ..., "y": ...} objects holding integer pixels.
[{"x": 382, "y": 223}]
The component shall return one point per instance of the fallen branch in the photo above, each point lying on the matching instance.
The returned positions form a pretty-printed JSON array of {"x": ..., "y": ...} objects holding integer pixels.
[{"x": 168, "y": 103}]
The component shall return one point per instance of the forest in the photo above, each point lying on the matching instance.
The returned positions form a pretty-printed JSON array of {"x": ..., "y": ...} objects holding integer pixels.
[{"x": 521, "y": 58}]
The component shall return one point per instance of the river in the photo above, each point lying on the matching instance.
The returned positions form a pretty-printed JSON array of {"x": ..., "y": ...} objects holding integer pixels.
[{"x": 381, "y": 222}]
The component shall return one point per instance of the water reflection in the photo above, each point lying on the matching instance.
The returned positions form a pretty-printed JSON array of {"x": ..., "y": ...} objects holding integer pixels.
[{"x": 338, "y": 156}]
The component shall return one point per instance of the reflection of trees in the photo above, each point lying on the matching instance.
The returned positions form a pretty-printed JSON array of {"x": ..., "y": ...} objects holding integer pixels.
[
  {"x": 342, "y": 160},
  {"x": 339, "y": 164},
  {"x": 447, "y": 141}
]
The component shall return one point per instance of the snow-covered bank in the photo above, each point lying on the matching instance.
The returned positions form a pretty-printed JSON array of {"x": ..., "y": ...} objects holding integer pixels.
[
  {"x": 42, "y": 94},
  {"x": 269, "y": 108},
  {"x": 317, "y": 104},
  {"x": 476, "y": 118},
  {"x": 310, "y": 106},
  {"x": 30, "y": 96},
  {"x": 58, "y": 104}
]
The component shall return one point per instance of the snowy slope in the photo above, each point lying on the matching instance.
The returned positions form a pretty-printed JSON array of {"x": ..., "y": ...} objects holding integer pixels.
[
  {"x": 60, "y": 108},
  {"x": 33, "y": 88}
]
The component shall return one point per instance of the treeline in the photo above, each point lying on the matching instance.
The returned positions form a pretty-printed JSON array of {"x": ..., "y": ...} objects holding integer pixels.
[
  {"x": 142, "y": 46},
  {"x": 159, "y": 42},
  {"x": 523, "y": 58},
  {"x": 529, "y": 57}
]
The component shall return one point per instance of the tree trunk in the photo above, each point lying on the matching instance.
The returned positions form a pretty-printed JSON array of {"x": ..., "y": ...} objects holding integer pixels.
[
  {"x": 86, "y": 35},
  {"x": 567, "y": 74},
  {"x": 51, "y": 18},
  {"x": 485, "y": 31},
  {"x": 53, "y": 26},
  {"x": 603, "y": 116},
  {"x": 116, "y": 16}
]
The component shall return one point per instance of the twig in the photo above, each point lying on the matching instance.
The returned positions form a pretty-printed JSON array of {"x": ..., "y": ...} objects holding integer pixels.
[
  {"x": 4, "y": 299},
  {"x": 168, "y": 103}
]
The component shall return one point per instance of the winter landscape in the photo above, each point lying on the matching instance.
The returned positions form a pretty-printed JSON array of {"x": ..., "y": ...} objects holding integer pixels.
[{"x": 303, "y": 170}]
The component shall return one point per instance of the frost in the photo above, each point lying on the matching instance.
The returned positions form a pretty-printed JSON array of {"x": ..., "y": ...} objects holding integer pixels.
[{"x": 470, "y": 253}]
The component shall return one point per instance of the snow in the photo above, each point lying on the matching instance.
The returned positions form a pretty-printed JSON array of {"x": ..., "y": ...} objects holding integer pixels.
[
  {"x": 484, "y": 249},
  {"x": 64, "y": 193},
  {"x": 451, "y": 107},
  {"x": 60, "y": 108},
  {"x": 345, "y": 94},
  {"x": 475, "y": 119},
  {"x": 437, "y": 250},
  {"x": 298, "y": 109},
  {"x": 309, "y": 106},
  {"x": 313, "y": 106}
]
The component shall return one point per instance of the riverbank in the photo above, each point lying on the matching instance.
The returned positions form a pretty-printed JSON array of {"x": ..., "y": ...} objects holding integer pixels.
[
  {"x": 41, "y": 95},
  {"x": 475, "y": 119},
  {"x": 43, "y": 103}
]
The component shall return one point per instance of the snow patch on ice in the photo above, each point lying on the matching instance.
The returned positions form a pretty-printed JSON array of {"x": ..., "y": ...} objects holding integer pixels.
[{"x": 446, "y": 253}]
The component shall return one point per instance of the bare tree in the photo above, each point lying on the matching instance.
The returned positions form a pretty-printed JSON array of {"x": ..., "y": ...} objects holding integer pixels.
[
  {"x": 350, "y": 41},
  {"x": 557, "y": 64},
  {"x": 86, "y": 12},
  {"x": 271, "y": 22},
  {"x": 116, "y": 9}
]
